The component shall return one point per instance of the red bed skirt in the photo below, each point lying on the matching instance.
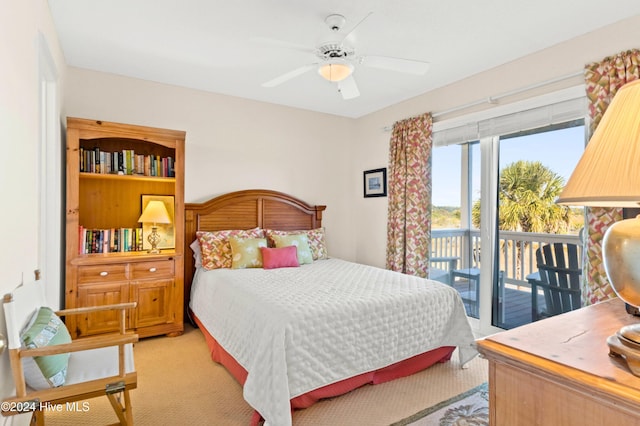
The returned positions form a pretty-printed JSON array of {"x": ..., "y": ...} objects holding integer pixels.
[{"x": 391, "y": 372}]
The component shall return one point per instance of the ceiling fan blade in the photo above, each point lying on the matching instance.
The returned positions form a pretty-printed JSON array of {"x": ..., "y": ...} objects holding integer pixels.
[
  {"x": 348, "y": 88},
  {"x": 406, "y": 66},
  {"x": 355, "y": 26},
  {"x": 288, "y": 75}
]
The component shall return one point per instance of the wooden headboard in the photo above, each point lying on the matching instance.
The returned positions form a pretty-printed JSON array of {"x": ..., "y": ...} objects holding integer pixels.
[{"x": 244, "y": 210}]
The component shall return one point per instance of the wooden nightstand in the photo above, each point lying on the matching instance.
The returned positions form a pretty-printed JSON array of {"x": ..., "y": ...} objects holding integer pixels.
[{"x": 558, "y": 371}]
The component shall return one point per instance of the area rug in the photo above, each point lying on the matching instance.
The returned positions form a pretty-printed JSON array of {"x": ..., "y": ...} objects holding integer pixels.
[{"x": 468, "y": 408}]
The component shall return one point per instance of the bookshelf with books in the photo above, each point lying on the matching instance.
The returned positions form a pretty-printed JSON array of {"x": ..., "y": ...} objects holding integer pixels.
[
  {"x": 110, "y": 166},
  {"x": 125, "y": 162},
  {"x": 110, "y": 240}
]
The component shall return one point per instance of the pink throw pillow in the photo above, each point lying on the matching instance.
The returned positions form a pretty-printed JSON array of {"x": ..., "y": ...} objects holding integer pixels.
[{"x": 282, "y": 257}]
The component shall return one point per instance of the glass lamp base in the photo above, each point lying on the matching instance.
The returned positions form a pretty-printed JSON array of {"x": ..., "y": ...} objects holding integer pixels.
[{"x": 154, "y": 239}]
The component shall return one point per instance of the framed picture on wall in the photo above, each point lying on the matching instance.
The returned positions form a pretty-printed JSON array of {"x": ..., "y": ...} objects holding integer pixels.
[
  {"x": 375, "y": 183},
  {"x": 165, "y": 230}
]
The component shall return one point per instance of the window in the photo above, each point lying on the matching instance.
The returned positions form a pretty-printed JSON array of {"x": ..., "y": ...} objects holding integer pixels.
[
  {"x": 493, "y": 259},
  {"x": 455, "y": 240}
]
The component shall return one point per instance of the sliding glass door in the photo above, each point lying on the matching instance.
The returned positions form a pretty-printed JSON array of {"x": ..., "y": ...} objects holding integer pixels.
[
  {"x": 533, "y": 168},
  {"x": 496, "y": 175},
  {"x": 493, "y": 205}
]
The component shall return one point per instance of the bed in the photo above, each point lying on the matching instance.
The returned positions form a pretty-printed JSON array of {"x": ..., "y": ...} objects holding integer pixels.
[{"x": 293, "y": 335}]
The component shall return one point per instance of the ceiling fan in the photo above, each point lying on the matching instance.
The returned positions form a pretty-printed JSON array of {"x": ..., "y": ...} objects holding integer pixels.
[{"x": 336, "y": 61}]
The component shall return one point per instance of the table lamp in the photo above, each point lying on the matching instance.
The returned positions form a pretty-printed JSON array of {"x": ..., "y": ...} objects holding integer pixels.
[
  {"x": 608, "y": 175},
  {"x": 155, "y": 212}
]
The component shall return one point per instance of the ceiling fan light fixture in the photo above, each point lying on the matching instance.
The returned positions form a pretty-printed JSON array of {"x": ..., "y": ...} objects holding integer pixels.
[{"x": 335, "y": 70}]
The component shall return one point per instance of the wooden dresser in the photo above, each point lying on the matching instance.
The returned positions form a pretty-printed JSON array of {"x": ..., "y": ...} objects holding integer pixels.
[{"x": 558, "y": 371}]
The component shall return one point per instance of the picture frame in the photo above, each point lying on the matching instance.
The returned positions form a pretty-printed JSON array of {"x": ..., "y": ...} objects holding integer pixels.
[
  {"x": 166, "y": 230},
  {"x": 375, "y": 182}
]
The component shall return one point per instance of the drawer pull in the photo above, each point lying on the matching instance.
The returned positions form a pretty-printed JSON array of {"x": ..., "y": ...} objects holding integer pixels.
[
  {"x": 152, "y": 269},
  {"x": 104, "y": 273}
]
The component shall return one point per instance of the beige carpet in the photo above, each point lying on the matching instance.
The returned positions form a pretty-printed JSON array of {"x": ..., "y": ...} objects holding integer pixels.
[{"x": 179, "y": 384}]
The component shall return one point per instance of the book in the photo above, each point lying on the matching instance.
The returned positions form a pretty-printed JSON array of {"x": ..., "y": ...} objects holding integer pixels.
[
  {"x": 96, "y": 156},
  {"x": 82, "y": 234},
  {"x": 125, "y": 161},
  {"x": 109, "y": 240}
]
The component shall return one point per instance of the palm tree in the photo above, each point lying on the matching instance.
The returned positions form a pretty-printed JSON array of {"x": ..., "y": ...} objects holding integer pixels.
[
  {"x": 526, "y": 197},
  {"x": 527, "y": 194}
]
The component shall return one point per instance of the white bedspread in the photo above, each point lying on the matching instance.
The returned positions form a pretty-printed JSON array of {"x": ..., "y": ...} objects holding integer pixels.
[{"x": 297, "y": 329}]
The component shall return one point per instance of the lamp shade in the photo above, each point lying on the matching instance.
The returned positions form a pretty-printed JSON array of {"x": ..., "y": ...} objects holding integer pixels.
[
  {"x": 336, "y": 70},
  {"x": 608, "y": 174},
  {"x": 155, "y": 212}
]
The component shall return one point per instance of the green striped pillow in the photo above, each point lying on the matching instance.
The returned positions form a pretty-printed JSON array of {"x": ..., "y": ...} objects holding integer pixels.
[{"x": 45, "y": 329}]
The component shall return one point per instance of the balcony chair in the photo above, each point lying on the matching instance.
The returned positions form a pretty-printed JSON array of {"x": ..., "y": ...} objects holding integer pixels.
[
  {"x": 471, "y": 296},
  {"x": 559, "y": 277},
  {"x": 469, "y": 273},
  {"x": 50, "y": 369},
  {"x": 444, "y": 275}
]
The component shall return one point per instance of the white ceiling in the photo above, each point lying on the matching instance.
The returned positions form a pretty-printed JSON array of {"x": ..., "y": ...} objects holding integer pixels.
[{"x": 231, "y": 47}]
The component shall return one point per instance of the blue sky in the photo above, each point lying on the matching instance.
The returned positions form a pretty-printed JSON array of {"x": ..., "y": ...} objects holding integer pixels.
[{"x": 559, "y": 150}]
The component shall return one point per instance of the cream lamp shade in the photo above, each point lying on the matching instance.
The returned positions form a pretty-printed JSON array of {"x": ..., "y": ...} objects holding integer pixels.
[
  {"x": 608, "y": 175},
  {"x": 336, "y": 70},
  {"x": 155, "y": 212}
]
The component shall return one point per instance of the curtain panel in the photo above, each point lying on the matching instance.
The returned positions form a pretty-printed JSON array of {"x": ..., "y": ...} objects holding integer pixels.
[
  {"x": 409, "y": 212},
  {"x": 603, "y": 80}
]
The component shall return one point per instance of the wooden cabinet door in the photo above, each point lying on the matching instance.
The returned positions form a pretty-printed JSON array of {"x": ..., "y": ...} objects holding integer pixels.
[
  {"x": 96, "y": 295},
  {"x": 153, "y": 299}
]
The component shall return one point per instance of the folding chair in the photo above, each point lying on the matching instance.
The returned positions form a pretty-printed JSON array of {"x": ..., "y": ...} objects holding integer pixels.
[{"x": 97, "y": 366}]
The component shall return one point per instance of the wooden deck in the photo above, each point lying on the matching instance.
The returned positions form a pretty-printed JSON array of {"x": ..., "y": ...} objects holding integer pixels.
[{"x": 516, "y": 309}]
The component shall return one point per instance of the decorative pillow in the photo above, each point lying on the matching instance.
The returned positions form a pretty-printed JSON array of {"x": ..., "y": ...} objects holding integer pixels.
[
  {"x": 246, "y": 252},
  {"x": 45, "y": 329},
  {"x": 315, "y": 236},
  {"x": 216, "y": 251},
  {"x": 283, "y": 257},
  {"x": 197, "y": 253},
  {"x": 300, "y": 241}
]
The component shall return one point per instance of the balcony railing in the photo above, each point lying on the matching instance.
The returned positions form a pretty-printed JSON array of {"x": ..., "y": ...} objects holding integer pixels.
[{"x": 516, "y": 257}]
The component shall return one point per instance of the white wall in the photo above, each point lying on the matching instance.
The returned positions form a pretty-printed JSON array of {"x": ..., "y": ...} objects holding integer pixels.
[
  {"x": 234, "y": 144},
  {"x": 21, "y": 24},
  {"x": 371, "y": 142}
]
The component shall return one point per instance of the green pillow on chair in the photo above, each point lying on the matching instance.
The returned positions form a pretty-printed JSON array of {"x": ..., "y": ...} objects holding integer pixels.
[{"x": 45, "y": 329}]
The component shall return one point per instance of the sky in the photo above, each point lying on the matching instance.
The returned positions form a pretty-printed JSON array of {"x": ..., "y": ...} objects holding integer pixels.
[{"x": 559, "y": 150}]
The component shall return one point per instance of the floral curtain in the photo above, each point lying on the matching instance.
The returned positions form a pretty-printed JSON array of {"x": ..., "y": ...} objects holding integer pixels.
[
  {"x": 603, "y": 79},
  {"x": 409, "y": 214}
]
